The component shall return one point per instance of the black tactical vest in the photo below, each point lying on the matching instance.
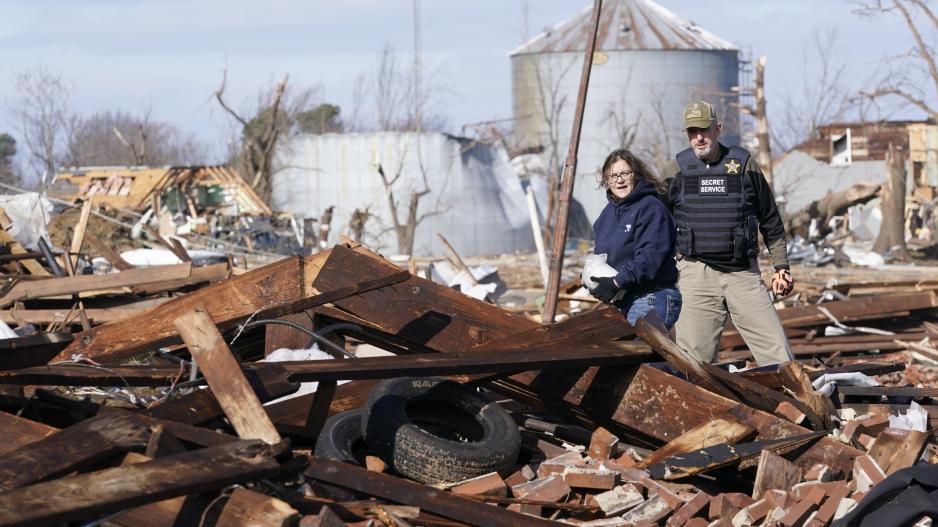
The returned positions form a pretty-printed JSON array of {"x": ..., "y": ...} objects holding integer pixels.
[{"x": 712, "y": 213}]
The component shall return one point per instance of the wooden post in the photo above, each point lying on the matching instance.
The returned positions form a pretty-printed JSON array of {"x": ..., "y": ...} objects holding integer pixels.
[
  {"x": 764, "y": 153},
  {"x": 892, "y": 229},
  {"x": 538, "y": 236},
  {"x": 78, "y": 238},
  {"x": 456, "y": 259},
  {"x": 569, "y": 173},
  {"x": 224, "y": 376}
]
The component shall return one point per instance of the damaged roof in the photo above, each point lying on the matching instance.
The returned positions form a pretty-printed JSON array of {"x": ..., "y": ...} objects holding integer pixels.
[{"x": 626, "y": 25}]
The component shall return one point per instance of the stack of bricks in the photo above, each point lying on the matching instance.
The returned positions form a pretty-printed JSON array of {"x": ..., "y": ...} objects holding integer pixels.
[{"x": 607, "y": 490}]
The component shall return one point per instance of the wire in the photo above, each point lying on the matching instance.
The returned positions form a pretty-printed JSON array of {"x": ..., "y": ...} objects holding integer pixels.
[{"x": 316, "y": 335}]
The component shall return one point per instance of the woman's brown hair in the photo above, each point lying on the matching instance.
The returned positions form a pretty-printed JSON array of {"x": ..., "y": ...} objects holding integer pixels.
[{"x": 639, "y": 169}]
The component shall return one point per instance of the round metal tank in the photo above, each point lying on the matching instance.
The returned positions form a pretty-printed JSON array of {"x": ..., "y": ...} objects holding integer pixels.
[{"x": 635, "y": 96}]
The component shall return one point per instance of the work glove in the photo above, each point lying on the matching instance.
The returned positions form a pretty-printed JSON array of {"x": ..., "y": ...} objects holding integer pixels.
[
  {"x": 782, "y": 282},
  {"x": 605, "y": 289}
]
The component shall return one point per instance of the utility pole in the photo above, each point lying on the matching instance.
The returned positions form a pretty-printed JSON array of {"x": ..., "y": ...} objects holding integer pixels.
[
  {"x": 559, "y": 239},
  {"x": 418, "y": 117}
]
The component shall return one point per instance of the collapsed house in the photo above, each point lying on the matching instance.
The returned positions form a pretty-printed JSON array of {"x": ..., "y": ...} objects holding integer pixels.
[
  {"x": 211, "y": 201},
  {"x": 178, "y": 412},
  {"x": 852, "y": 155}
]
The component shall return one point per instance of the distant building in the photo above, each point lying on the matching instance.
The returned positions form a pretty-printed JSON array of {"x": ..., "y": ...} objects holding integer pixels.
[
  {"x": 649, "y": 63},
  {"x": 177, "y": 188},
  {"x": 844, "y": 154},
  {"x": 475, "y": 198}
]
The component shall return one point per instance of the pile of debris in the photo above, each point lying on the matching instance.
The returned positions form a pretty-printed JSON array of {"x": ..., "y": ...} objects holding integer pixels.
[
  {"x": 179, "y": 413},
  {"x": 206, "y": 206}
]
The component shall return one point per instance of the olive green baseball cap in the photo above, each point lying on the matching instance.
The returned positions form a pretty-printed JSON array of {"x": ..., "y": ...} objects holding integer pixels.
[{"x": 699, "y": 114}]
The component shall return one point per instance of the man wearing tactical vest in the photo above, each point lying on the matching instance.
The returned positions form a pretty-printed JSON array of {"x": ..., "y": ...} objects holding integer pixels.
[{"x": 720, "y": 201}]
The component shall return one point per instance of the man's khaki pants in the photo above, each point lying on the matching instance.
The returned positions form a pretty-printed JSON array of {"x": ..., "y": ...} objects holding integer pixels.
[{"x": 710, "y": 294}]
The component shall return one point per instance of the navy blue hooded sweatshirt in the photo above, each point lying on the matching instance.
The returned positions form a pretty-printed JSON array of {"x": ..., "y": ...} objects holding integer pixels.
[{"x": 637, "y": 233}]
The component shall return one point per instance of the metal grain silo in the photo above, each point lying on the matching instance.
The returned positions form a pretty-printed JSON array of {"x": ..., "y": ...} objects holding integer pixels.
[{"x": 649, "y": 64}]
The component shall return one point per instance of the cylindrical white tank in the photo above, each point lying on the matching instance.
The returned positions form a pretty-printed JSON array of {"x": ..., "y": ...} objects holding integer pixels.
[{"x": 649, "y": 64}]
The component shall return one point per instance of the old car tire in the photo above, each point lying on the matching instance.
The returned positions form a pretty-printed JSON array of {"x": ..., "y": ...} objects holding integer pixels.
[
  {"x": 341, "y": 438},
  {"x": 438, "y": 431}
]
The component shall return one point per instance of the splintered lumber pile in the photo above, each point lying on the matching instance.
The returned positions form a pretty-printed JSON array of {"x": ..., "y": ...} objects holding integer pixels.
[{"x": 168, "y": 416}]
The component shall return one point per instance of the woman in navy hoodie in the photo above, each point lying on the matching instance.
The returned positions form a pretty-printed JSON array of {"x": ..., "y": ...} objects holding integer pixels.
[{"x": 637, "y": 233}]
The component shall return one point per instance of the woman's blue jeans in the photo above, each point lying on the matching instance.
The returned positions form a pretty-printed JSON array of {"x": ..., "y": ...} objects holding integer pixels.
[{"x": 665, "y": 302}]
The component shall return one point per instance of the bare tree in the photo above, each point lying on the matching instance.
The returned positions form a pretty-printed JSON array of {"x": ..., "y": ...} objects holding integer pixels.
[
  {"x": 354, "y": 121},
  {"x": 41, "y": 112},
  {"x": 624, "y": 124},
  {"x": 552, "y": 100},
  {"x": 911, "y": 78},
  {"x": 389, "y": 91},
  {"x": 261, "y": 135},
  {"x": 403, "y": 98},
  {"x": 405, "y": 225},
  {"x": 357, "y": 222},
  {"x": 655, "y": 144},
  {"x": 823, "y": 97},
  {"x": 119, "y": 138},
  {"x": 891, "y": 236}
]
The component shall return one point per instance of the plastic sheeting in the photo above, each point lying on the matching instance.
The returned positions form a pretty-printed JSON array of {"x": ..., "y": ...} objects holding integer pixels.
[
  {"x": 30, "y": 213},
  {"x": 476, "y": 200}
]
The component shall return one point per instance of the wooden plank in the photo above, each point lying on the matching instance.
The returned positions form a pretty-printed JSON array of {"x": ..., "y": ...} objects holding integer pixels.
[
  {"x": 772, "y": 379},
  {"x": 908, "y": 452},
  {"x": 651, "y": 330},
  {"x": 21, "y": 352},
  {"x": 714, "y": 378},
  {"x": 774, "y": 472},
  {"x": 381, "y": 367},
  {"x": 885, "y": 448},
  {"x": 200, "y": 275},
  {"x": 700, "y": 461},
  {"x": 223, "y": 374},
  {"x": 49, "y": 316},
  {"x": 19, "y": 431},
  {"x": 180, "y": 250},
  {"x": 429, "y": 499},
  {"x": 77, "y": 284},
  {"x": 888, "y": 391},
  {"x": 107, "y": 253},
  {"x": 663, "y": 406},
  {"x": 799, "y": 383},
  {"x": 705, "y": 435},
  {"x": 286, "y": 286},
  {"x": 78, "y": 235},
  {"x": 181, "y": 431},
  {"x": 246, "y": 507},
  {"x": 758, "y": 396},
  {"x": 75, "y": 447},
  {"x": 158, "y": 514},
  {"x": 174, "y": 248},
  {"x": 424, "y": 312},
  {"x": 880, "y": 306},
  {"x": 319, "y": 411},
  {"x": 86, "y": 496},
  {"x": 33, "y": 266}
]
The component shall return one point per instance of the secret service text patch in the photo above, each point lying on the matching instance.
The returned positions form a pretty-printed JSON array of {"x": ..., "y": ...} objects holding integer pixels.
[{"x": 713, "y": 186}]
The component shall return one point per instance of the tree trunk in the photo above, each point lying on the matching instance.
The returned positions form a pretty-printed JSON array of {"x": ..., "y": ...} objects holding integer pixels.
[
  {"x": 892, "y": 230},
  {"x": 764, "y": 155},
  {"x": 833, "y": 204}
]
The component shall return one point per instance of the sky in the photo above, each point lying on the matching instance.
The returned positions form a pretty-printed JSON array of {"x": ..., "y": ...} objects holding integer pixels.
[{"x": 170, "y": 55}]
